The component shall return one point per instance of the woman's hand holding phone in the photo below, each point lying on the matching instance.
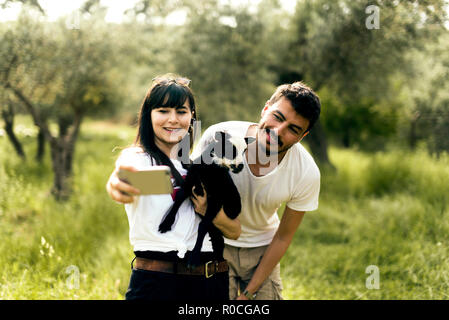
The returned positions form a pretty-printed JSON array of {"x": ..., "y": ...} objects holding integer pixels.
[
  {"x": 119, "y": 190},
  {"x": 123, "y": 192}
]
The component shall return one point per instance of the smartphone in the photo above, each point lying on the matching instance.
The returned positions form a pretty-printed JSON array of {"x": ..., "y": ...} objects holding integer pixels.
[{"x": 155, "y": 180}]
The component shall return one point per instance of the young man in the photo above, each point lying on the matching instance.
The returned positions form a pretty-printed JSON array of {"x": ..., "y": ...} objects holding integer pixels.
[{"x": 277, "y": 169}]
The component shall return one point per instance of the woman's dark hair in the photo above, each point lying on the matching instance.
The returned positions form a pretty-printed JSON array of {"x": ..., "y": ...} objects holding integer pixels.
[{"x": 169, "y": 92}]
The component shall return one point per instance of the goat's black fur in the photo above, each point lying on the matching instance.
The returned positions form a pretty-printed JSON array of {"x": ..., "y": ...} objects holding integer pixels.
[{"x": 221, "y": 192}]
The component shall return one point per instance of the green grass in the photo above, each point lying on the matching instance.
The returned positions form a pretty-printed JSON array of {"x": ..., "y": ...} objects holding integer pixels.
[
  {"x": 89, "y": 232},
  {"x": 388, "y": 210},
  {"x": 384, "y": 209}
]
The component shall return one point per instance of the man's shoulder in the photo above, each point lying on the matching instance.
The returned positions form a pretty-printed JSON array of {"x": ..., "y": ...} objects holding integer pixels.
[{"x": 306, "y": 162}]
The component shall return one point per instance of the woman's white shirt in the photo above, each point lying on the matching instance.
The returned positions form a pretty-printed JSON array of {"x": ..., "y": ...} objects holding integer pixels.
[{"x": 147, "y": 211}]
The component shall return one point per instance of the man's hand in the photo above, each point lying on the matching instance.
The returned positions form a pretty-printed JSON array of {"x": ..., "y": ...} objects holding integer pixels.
[
  {"x": 119, "y": 190},
  {"x": 242, "y": 297},
  {"x": 229, "y": 227},
  {"x": 291, "y": 219},
  {"x": 199, "y": 202}
]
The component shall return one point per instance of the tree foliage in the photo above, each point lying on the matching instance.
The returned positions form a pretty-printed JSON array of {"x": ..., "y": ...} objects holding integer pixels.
[
  {"x": 330, "y": 46},
  {"x": 236, "y": 54},
  {"x": 426, "y": 95},
  {"x": 222, "y": 50}
]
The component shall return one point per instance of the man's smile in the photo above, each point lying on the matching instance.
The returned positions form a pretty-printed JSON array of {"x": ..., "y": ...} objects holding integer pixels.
[{"x": 272, "y": 137}]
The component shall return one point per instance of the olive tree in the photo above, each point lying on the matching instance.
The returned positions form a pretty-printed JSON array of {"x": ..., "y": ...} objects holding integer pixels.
[
  {"x": 340, "y": 45},
  {"x": 61, "y": 75}
]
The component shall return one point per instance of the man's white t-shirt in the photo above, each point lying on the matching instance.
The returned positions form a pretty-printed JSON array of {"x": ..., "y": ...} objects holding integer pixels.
[
  {"x": 295, "y": 181},
  {"x": 147, "y": 211}
]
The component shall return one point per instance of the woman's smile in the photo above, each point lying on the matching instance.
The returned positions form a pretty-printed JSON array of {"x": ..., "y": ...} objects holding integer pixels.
[{"x": 172, "y": 129}]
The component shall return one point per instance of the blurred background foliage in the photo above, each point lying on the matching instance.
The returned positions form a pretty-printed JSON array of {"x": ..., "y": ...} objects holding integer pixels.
[
  {"x": 378, "y": 85},
  {"x": 70, "y": 91}
]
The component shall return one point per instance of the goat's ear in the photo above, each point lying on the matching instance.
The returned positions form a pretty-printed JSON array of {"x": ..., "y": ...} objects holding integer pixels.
[
  {"x": 249, "y": 140},
  {"x": 221, "y": 135},
  {"x": 218, "y": 135}
]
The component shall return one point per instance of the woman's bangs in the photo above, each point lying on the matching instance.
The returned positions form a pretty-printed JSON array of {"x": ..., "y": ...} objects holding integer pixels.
[{"x": 174, "y": 96}]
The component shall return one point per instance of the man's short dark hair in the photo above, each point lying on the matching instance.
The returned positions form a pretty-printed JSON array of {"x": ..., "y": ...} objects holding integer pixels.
[{"x": 303, "y": 99}]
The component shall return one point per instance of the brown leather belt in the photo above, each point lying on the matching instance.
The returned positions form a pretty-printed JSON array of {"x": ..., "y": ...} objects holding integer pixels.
[{"x": 208, "y": 269}]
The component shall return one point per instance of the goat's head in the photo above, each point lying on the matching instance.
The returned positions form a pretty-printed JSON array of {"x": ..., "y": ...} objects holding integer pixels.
[{"x": 228, "y": 150}]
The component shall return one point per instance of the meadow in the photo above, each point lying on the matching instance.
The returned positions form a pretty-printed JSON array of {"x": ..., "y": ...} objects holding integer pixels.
[{"x": 385, "y": 209}]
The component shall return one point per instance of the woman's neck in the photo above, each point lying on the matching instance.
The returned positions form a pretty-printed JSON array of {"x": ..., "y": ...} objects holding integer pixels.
[{"x": 168, "y": 149}]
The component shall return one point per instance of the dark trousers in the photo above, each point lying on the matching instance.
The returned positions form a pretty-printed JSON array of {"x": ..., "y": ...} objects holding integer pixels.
[{"x": 160, "y": 286}]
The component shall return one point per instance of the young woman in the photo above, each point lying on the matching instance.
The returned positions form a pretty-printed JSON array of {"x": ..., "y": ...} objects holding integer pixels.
[{"x": 159, "y": 271}]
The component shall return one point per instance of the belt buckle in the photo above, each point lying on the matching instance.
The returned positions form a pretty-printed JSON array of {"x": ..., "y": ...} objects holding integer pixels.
[{"x": 206, "y": 271}]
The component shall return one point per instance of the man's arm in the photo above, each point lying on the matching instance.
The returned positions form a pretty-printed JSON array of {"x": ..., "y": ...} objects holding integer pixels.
[
  {"x": 230, "y": 228},
  {"x": 290, "y": 221}
]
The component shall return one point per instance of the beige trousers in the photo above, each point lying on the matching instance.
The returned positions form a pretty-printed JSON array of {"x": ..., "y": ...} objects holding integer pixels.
[{"x": 242, "y": 265}]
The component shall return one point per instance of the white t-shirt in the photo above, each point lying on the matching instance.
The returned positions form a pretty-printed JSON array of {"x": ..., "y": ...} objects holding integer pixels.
[
  {"x": 296, "y": 181},
  {"x": 147, "y": 211}
]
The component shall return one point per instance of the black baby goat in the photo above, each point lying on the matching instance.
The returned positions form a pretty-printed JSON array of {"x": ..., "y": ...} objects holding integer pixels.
[{"x": 211, "y": 170}]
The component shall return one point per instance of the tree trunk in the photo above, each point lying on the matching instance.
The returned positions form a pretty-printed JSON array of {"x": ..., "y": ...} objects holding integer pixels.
[
  {"x": 15, "y": 142},
  {"x": 8, "y": 117},
  {"x": 62, "y": 151},
  {"x": 40, "y": 145},
  {"x": 346, "y": 140},
  {"x": 318, "y": 145},
  {"x": 62, "y": 147},
  {"x": 60, "y": 155},
  {"x": 413, "y": 136},
  {"x": 317, "y": 140}
]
